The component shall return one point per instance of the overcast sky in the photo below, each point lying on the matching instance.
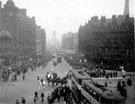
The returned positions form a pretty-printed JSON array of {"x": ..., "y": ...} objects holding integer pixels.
[{"x": 67, "y": 15}]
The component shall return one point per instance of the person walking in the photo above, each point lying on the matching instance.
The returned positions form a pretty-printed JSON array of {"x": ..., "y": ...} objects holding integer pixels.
[
  {"x": 23, "y": 77},
  {"x": 17, "y": 102},
  {"x": 42, "y": 96},
  {"x": 38, "y": 78},
  {"x": 36, "y": 96},
  {"x": 58, "y": 95},
  {"x": 23, "y": 100}
]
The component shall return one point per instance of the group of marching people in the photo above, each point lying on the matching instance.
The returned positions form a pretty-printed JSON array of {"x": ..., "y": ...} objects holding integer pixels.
[
  {"x": 53, "y": 79},
  {"x": 62, "y": 91}
]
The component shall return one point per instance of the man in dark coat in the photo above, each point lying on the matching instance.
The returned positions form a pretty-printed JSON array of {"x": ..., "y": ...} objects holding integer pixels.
[
  {"x": 42, "y": 96},
  {"x": 23, "y": 100},
  {"x": 17, "y": 102},
  {"x": 36, "y": 95}
]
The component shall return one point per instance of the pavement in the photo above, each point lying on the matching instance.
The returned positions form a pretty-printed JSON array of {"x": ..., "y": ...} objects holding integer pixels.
[{"x": 11, "y": 91}]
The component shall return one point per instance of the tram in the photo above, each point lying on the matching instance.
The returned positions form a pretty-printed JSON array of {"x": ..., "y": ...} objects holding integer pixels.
[
  {"x": 103, "y": 95},
  {"x": 86, "y": 91},
  {"x": 80, "y": 75},
  {"x": 78, "y": 93}
]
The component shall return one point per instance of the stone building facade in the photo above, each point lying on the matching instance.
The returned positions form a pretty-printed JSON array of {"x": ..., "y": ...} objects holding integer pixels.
[
  {"x": 40, "y": 41},
  {"x": 5, "y": 47},
  {"x": 22, "y": 29},
  {"x": 109, "y": 42},
  {"x": 69, "y": 41}
]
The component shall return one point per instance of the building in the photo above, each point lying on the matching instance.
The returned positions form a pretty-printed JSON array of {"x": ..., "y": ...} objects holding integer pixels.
[
  {"x": 5, "y": 47},
  {"x": 70, "y": 41},
  {"x": 108, "y": 42},
  {"x": 22, "y": 29},
  {"x": 40, "y": 41},
  {"x": 53, "y": 43}
]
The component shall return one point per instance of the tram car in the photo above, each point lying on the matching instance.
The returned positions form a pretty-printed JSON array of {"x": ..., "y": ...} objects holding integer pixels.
[
  {"x": 80, "y": 75},
  {"x": 86, "y": 90},
  {"x": 76, "y": 79},
  {"x": 103, "y": 95}
]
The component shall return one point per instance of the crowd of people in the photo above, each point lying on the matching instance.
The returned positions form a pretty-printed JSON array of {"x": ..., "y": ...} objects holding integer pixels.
[
  {"x": 96, "y": 71},
  {"x": 54, "y": 79},
  {"x": 60, "y": 85},
  {"x": 21, "y": 67},
  {"x": 60, "y": 91}
]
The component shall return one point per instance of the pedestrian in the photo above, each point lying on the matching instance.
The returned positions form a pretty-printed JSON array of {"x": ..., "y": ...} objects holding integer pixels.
[
  {"x": 38, "y": 77},
  {"x": 49, "y": 99},
  {"x": 42, "y": 96},
  {"x": 17, "y": 102},
  {"x": 58, "y": 95},
  {"x": 107, "y": 76},
  {"x": 123, "y": 72},
  {"x": 42, "y": 82},
  {"x": 35, "y": 100},
  {"x": 23, "y": 100},
  {"x": 36, "y": 96},
  {"x": 23, "y": 77}
]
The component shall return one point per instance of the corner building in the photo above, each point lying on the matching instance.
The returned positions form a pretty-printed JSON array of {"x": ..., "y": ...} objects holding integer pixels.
[
  {"x": 22, "y": 29},
  {"x": 108, "y": 42}
]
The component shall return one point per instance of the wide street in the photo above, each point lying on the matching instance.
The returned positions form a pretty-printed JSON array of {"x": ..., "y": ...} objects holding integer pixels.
[{"x": 10, "y": 91}]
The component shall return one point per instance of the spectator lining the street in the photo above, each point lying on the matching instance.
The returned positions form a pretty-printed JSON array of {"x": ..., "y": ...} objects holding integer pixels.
[{"x": 23, "y": 77}]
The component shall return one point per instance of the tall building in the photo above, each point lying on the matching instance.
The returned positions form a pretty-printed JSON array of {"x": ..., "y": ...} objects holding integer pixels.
[
  {"x": 108, "y": 42},
  {"x": 126, "y": 9},
  {"x": 70, "y": 41},
  {"x": 22, "y": 28},
  {"x": 54, "y": 43}
]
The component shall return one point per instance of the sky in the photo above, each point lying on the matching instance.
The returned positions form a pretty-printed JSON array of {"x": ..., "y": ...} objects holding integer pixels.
[{"x": 67, "y": 15}]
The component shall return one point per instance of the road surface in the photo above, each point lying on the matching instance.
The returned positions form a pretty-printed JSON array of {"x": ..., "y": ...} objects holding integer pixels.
[{"x": 10, "y": 91}]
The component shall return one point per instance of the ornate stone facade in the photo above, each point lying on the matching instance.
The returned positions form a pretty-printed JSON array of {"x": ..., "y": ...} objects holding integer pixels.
[{"x": 22, "y": 29}]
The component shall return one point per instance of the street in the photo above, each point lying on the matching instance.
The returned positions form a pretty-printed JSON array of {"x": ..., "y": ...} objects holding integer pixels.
[{"x": 11, "y": 91}]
